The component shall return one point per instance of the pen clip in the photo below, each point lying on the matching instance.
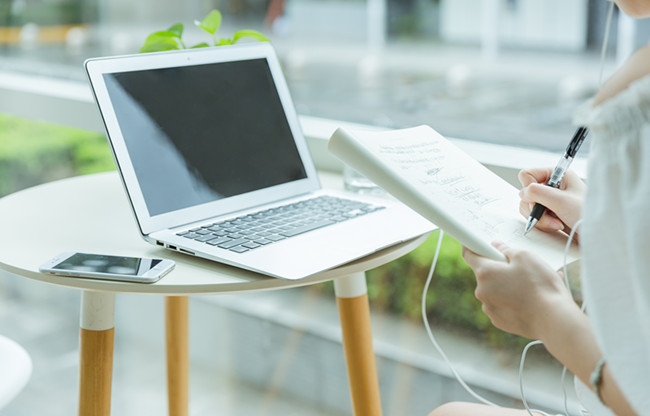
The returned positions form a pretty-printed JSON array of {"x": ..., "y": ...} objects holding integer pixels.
[{"x": 576, "y": 142}]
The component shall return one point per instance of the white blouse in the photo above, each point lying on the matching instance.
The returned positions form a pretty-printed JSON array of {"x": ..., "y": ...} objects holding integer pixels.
[{"x": 615, "y": 238}]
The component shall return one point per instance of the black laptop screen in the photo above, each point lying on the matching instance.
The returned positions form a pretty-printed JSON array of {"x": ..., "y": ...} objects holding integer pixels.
[{"x": 196, "y": 134}]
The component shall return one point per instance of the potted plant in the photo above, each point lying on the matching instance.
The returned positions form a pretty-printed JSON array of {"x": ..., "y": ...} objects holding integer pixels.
[{"x": 171, "y": 39}]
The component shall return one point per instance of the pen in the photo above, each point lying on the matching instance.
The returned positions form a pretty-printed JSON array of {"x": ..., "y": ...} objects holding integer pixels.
[{"x": 558, "y": 174}]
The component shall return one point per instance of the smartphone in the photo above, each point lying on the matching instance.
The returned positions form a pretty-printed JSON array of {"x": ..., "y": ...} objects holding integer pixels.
[{"x": 100, "y": 266}]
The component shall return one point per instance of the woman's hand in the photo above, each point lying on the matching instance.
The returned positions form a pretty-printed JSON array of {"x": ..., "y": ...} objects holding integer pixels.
[
  {"x": 524, "y": 295},
  {"x": 564, "y": 205}
]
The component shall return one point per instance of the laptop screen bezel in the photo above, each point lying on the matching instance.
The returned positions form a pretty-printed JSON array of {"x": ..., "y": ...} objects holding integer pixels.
[{"x": 96, "y": 68}]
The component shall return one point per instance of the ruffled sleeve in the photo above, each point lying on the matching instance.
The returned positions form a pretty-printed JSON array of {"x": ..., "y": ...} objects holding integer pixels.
[
  {"x": 615, "y": 236},
  {"x": 620, "y": 114}
]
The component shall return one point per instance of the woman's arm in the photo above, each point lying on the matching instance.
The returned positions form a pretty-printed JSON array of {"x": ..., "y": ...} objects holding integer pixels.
[
  {"x": 524, "y": 296},
  {"x": 572, "y": 343},
  {"x": 638, "y": 66}
]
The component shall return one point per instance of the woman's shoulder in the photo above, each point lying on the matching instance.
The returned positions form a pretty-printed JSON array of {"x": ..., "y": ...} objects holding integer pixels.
[
  {"x": 622, "y": 107},
  {"x": 636, "y": 68}
]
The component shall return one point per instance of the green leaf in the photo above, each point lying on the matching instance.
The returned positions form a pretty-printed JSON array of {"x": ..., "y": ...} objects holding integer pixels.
[
  {"x": 249, "y": 34},
  {"x": 211, "y": 22},
  {"x": 161, "y": 41},
  {"x": 177, "y": 29},
  {"x": 225, "y": 41},
  {"x": 162, "y": 44},
  {"x": 163, "y": 34},
  {"x": 200, "y": 45}
]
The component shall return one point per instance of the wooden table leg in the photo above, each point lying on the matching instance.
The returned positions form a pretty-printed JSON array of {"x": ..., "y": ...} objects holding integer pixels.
[
  {"x": 354, "y": 313},
  {"x": 96, "y": 353},
  {"x": 176, "y": 320}
]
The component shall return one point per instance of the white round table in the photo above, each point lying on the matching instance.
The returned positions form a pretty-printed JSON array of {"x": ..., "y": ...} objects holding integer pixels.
[{"x": 91, "y": 214}]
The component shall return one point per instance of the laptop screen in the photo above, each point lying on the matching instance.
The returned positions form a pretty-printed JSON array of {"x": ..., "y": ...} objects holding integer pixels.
[{"x": 197, "y": 134}]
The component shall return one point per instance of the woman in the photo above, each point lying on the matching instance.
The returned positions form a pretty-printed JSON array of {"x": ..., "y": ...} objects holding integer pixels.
[{"x": 608, "y": 350}]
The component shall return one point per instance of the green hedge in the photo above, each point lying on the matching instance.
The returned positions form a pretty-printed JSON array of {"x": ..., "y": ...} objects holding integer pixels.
[
  {"x": 48, "y": 13},
  {"x": 32, "y": 153}
]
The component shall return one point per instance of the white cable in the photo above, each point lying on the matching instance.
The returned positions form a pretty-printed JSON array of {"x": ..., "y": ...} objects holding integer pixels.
[
  {"x": 433, "y": 339},
  {"x": 521, "y": 377},
  {"x": 526, "y": 348},
  {"x": 566, "y": 281},
  {"x": 603, "y": 52},
  {"x": 603, "y": 49},
  {"x": 565, "y": 397},
  {"x": 567, "y": 247},
  {"x": 440, "y": 350}
]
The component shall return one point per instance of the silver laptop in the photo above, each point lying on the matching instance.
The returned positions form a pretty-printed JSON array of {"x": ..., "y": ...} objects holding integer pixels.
[{"x": 211, "y": 155}]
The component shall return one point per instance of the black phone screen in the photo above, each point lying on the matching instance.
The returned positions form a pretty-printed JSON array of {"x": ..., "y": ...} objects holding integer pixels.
[{"x": 95, "y": 263}]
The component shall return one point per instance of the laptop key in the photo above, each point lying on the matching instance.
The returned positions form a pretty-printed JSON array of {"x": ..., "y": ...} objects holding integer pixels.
[
  {"x": 205, "y": 238},
  {"x": 239, "y": 249},
  {"x": 306, "y": 228},
  {"x": 353, "y": 213},
  {"x": 218, "y": 240},
  {"x": 233, "y": 243},
  {"x": 192, "y": 236}
]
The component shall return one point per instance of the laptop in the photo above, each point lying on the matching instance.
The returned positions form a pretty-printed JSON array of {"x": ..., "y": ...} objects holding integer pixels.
[{"x": 211, "y": 155}]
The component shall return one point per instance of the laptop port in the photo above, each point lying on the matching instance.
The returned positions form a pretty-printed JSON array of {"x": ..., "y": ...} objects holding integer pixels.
[
  {"x": 185, "y": 251},
  {"x": 160, "y": 243},
  {"x": 169, "y": 246}
]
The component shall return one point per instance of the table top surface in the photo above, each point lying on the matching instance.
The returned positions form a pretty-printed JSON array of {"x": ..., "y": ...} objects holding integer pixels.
[{"x": 91, "y": 214}]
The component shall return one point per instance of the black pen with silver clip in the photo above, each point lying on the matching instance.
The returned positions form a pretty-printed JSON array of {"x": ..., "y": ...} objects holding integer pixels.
[{"x": 558, "y": 174}]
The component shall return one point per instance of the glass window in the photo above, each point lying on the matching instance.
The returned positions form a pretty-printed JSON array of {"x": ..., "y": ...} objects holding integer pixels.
[{"x": 501, "y": 71}]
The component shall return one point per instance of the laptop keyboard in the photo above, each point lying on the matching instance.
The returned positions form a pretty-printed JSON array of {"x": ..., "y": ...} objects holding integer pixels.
[{"x": 248, "y": 232}]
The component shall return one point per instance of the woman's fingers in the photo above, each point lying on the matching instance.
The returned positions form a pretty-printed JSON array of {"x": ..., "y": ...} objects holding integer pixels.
[
  {"x": 537, "y": 175},
  {"x": 548, "y": 222}
]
